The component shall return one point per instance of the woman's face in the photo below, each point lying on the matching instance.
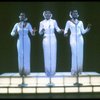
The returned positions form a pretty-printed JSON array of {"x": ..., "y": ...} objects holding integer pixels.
[
  {"x": 75, "y": 14},
  {"x": 22, "y": 17},
  {"x": 47, "y": 15}
]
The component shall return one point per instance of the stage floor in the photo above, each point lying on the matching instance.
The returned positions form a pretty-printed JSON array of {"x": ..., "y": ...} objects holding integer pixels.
[
  {"x": 60, "y": 74},
  {"x": 63, "y": 82}
]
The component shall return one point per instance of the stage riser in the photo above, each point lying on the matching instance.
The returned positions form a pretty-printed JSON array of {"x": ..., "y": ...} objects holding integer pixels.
[
  {"x": 37, "y": 83},
  {"x": 57, "y": 80},
  {"x": 50, "y": 90}
]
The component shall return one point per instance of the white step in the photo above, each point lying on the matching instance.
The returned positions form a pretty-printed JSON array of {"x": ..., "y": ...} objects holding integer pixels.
[{"x": 37, "y": 83}]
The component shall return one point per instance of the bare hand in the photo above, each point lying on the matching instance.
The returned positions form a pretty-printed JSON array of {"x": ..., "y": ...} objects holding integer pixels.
[
  {"x": 89, "y": 26},
  {"x": 62, "y": 30},
  {"x": 43, "y": 30},
  {"x": 34, "y": 29},
  {"x": 65, "y": 35}
]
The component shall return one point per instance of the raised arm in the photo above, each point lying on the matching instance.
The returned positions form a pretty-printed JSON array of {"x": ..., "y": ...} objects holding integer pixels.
[
  {"x": 14, "y": 30},
  {"x": 41, "y": 29},
  {"x": 56, "y": 26},
  {"x": 32, "y": 30},
  {"x": 83, "y": 30},
  {"x": 66, "y": 29}
]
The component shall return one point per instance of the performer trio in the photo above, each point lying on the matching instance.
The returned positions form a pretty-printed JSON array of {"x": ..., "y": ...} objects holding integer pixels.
[{"x": 47, "y": 30}]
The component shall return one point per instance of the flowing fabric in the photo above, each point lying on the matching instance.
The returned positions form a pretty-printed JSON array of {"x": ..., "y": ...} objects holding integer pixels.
[
  {"x": 23, "y": 47},
  {"x": 77, "y": 44},
  {"x": 49, "y": 45}
]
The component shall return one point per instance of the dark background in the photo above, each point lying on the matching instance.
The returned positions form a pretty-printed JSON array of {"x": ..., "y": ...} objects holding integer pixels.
[{"x": 89, "y": 13}]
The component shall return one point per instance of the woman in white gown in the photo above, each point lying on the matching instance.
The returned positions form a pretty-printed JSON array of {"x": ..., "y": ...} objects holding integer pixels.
[
  {"x": 22, "y": 29},
  {"x": 47, "y": 29},
  {"x": 76, "y": 41}
]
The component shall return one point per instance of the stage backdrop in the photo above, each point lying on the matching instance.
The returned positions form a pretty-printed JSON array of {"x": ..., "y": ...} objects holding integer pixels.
[{"x": 89, "y": 13}]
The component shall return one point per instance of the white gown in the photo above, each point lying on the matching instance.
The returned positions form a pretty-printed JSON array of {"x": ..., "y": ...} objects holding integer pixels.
[
  {"x": 76, "y": 43},
  {"x": 23, "y": 46},
  {"x": 49, "y": 45}
]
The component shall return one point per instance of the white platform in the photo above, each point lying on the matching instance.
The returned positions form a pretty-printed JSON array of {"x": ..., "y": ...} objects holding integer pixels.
[{"x": 37, "y": 83}]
